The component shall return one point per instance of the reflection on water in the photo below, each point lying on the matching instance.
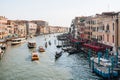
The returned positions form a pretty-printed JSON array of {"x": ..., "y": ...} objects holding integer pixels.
[{"x": 17, "y": 65}]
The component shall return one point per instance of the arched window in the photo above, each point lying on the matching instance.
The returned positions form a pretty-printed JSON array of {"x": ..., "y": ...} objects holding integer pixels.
[
  {"x": 103, "y": 27},
  {"x": 107, "y": 37},
  {"x": 113, "y": 38},
  {"x": 107, "y": 27},
  {"x": 113, "y": 26}
]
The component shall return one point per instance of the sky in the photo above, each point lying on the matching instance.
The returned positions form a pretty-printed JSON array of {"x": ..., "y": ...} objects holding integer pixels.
[{"x": 55, "y": 12}]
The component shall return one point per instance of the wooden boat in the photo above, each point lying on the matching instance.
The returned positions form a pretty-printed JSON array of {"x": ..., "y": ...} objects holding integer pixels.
[
  {"x": 49, "y": 43},
  {"x": 73, "y": 51},
  {"x": 31, "y": 44},
  {"x": 59, "y": 46},
  {"x": 1, "y": 53},
  {"x": 35, "y": 56},
  {"x": 103, "y": 67},
  {"x": 41, "y": 49},
  {"x": 46, "y": 45},
  {"x": 58, "y": 54}
]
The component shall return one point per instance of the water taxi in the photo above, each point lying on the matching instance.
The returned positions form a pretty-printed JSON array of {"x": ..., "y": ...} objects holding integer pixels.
[
  {"x": 41, "y": 49},
  {"x": 31, "y": 44},
  {"x": 35, "y": 56}
]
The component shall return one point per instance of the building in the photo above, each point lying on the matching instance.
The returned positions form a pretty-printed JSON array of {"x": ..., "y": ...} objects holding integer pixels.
[
  {"x": 58, "y": 29},
  {"x": 77, "y": 28},
  {"x": 42, "y": 26},
  {"x": 31, "y": 28},
  {"x": 16, "y": 28},
  {"x": 3, "y": 27},
  {"x": 103, "y": 28},
  {"x": 10, "y": 28}
]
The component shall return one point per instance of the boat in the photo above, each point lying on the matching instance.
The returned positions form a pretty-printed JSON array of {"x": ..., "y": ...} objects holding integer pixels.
[
  {"x": 58, "y": 54},
  {"x": 41, "y": 49},
  {"x": 103, "y": 67},
  {"x": 31, "y": 44},
  {"x": 23, "y": 40},
  {"x": 67, "y": 48},
  {"x": 35, "y": 56},
  {"x": 1, "y": 53},
  {"x": 49, "y": 43},
  {"x": 17, "y": 41},
  {"x": 73, "y": 51},
  {"x": 59, "y": 46},
  {"x": 46, "y": 45},
  {"x": 3, "y": 46}
]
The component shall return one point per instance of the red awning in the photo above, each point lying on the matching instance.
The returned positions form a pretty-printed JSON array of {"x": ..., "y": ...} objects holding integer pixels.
[{"x": 93, "y": 47}]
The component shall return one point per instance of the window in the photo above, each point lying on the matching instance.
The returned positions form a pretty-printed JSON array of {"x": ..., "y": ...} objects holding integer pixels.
[
  {"x": 107, "y": 27},
  {"x": 113, "y": 38},
  {"x": 113, "y": 26},
  {"x": 107, "y": 38},
  {"x": 103, "y": 27},
  {"x": 103, "y": 38}
]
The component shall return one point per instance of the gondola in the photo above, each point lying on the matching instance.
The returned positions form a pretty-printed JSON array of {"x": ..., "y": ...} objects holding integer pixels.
[
  {"x": 73, "y": 51},
  {"x": 46, "y": 45},
  {"x": 58, "y": 54},
  {"x": 49, "y": 43}
]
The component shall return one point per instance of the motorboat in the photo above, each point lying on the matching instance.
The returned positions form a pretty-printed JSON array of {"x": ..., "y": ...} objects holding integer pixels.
[
  {"x": 17, "y": 41},
  {"x": 58, "y": 54},
  {"x": 1, "y": 53},
  {"x": 23, "y": 40},
  {"x": 41, "y": 49},
  {"x": 31, "y": 44},
  {"x": 35, "y": 56}
]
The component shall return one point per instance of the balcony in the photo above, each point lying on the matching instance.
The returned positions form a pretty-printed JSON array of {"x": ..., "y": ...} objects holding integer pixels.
[
  {"x": 100, "y": 30},
  {"x": 107, "y": 31}
]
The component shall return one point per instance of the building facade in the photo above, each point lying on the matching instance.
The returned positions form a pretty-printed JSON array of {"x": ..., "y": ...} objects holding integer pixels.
[
  {"x": 31, "y": 28},
  {"x": 103, "y": 28},
  {"x": 3, "y": 27}
]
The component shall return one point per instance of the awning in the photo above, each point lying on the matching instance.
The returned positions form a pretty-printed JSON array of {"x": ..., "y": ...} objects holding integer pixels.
[
  {"x": 93, "y": 47},
  {"x": 77, "y": 41}
]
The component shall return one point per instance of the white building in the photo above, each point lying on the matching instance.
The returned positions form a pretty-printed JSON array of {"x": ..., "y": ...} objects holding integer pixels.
[{"x": 31, "y": 28}]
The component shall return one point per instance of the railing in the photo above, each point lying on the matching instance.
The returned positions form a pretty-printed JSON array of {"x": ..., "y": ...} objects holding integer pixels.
[{"x": 107, "y": 31}]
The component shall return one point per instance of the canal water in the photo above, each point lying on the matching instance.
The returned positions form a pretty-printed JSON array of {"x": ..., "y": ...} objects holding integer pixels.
[{"x": 16, "y": 63}]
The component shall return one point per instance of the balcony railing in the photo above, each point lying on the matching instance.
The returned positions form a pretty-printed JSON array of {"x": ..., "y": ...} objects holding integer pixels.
[
  {"x": 100, "y": 30},
  {"x": 107, "y": 31}
]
